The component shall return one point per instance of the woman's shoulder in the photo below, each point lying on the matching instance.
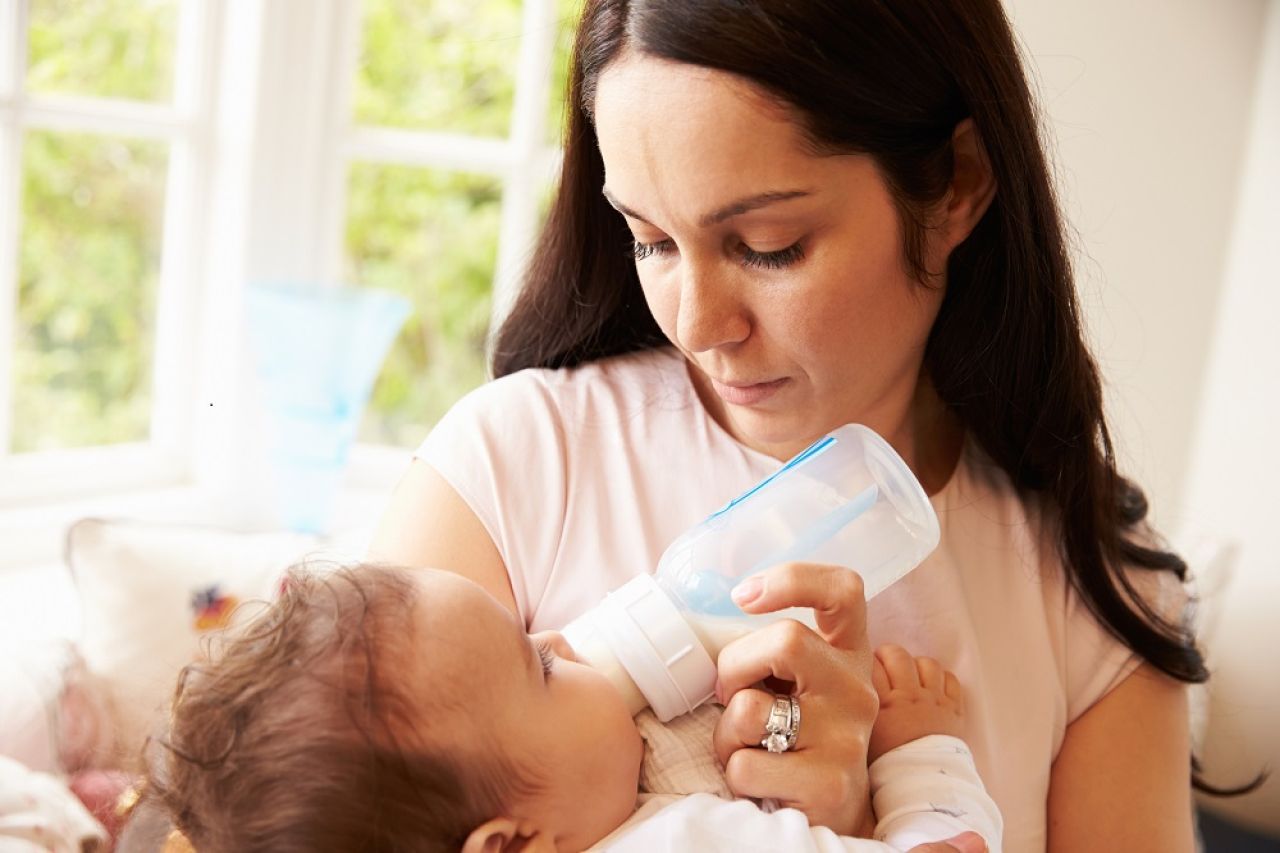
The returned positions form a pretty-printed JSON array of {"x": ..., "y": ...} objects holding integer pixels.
[
  {"x": 620, "y": 384},
  {"x": 624, "y": 372},
  {"x": 644, "y": 393}
]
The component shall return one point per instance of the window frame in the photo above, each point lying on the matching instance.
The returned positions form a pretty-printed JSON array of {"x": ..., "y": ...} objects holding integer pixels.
[
  {"x": 523, "y": 162},
  {"x": 256, "y": 190},
  {"x": 183, "y": 125}
]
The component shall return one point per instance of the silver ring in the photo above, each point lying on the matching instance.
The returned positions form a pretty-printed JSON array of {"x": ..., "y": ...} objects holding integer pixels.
[{"x": 783, "y": 726}]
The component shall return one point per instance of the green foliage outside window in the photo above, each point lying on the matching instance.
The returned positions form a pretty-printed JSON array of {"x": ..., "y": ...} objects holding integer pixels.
[
  {"x": 92, "y": 211},
  {"x": 103, "y": 48},
  {"x": 567, "y": 14},
  {"x": 89, "y": 261},
  {"x": 433, "y": 237},
  {"x": 443, "y": 65}
]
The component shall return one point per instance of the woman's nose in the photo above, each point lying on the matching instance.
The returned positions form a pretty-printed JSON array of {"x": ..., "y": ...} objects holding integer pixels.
[
  {"x": 557, "y": 643},
  {"x": 710, "y": 312}
]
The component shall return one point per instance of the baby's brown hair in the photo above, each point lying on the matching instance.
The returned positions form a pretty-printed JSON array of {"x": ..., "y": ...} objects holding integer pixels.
[{"x": 299, "y": 734}]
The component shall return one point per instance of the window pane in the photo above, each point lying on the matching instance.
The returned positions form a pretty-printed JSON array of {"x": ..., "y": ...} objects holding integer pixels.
[
  {"x": 104, "y": 48},
  {"x": 568, "y": 12},
  {"x": 92, "y": 210},
  {"x": 433, "y": 237},
  {"x": 445, "y": 65}
]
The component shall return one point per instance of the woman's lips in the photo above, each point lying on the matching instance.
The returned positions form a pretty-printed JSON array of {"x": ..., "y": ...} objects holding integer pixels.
[{"x": 747, "y": 395}]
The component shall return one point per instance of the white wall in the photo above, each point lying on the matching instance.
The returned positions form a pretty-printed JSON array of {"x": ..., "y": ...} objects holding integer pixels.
[
  {"x": 1149, "y": 103},
  {"x": 1166, "y": 115},
  {"x": 1235, "y": 471}
]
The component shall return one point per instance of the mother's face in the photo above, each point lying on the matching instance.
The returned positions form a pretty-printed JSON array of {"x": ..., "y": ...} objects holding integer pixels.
[{"x": 778, "y": 273}]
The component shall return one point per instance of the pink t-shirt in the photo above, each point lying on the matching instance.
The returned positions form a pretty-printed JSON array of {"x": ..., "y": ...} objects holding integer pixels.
[{"x": 584, "y": 476}]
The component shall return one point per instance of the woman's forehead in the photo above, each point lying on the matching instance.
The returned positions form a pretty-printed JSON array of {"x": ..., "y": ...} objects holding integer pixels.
[
  {"x": 682, "y": 140},
  {"x": 686, "y": 101}
]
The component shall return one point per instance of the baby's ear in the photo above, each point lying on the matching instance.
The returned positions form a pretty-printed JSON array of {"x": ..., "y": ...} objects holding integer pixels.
[{"x": 506, "y": 835}]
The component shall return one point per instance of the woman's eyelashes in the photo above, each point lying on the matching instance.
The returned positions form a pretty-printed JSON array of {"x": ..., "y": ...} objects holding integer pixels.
[
  {"x": 773, "y": 260},
  {"x": 751, "y": 258},
  {"x": 644, "y": 250}
]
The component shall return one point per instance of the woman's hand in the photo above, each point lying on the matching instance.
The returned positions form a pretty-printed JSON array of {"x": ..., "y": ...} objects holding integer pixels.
[{"x": 825, "y": 774}]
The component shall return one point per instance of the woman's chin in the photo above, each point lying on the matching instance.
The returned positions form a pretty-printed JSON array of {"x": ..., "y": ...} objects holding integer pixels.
[{"x": 778, "y": 434}]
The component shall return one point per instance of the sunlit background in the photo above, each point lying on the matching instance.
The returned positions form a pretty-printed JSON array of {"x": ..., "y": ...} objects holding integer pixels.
[
  {"x": 158, "y": 156},
  {"x": 92, "y": 210}
]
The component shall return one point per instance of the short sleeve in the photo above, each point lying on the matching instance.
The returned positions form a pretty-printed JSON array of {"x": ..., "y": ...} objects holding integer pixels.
[
  {"x": 1097, "y": 661},
  {"x": 502, "y": 449}
]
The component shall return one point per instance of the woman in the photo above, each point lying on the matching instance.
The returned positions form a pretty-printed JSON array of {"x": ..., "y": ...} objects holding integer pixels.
[{"x": 775, "y": 218}]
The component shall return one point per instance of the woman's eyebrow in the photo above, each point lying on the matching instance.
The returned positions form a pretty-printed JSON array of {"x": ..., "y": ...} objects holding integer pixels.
[{"x": 715, "y": 217}]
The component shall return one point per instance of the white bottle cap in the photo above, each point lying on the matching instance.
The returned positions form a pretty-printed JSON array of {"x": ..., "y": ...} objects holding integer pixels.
[{"x": 656, "y": 646}]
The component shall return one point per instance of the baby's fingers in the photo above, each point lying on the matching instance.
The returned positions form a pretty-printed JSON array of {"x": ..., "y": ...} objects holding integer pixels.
[
  {"x": 899, "y": 667},
  {"x": 879, "y": 678},
  {"x": 965, "y": 842},
  {"x": 932, "y": 675},
  {"x": 954, "y": 690}
]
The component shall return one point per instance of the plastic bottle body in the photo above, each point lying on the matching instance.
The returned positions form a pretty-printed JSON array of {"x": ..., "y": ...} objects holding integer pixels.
[{"x": 847, "y": 500}]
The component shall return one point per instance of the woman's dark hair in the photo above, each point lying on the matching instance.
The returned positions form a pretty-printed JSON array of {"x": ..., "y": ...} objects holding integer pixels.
[
  {"x": 298, "y": 735},
  {"x": 1007, "y": 351}
]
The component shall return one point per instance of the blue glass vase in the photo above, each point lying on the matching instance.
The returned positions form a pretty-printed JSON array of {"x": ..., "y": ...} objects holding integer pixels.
[{"x": 317, "y": 351}]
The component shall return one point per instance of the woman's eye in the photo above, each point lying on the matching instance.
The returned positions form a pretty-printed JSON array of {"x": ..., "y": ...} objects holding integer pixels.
[
  {"x": 772, "y": 260},
  {"x": 644, "y": 250},
  {"x": 751, "y": 258},
  {"x": 547, "y": 656}
]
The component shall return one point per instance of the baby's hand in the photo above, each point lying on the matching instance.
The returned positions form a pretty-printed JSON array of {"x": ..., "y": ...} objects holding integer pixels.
[{"x": 917, "y": 698}]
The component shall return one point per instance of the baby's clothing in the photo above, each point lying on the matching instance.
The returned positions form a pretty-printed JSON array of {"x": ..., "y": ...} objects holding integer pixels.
[
  {"x": 679, "y": 756},
  {"x": 925, "y": 790},
  {"x": 583, "y": 476}
]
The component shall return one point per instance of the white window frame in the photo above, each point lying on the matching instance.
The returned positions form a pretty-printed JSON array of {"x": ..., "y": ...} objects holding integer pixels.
[
  {"x": 524, "y": 162},
  {"x": 183, "y": 125},
  {"x": 266, "y": 137}
]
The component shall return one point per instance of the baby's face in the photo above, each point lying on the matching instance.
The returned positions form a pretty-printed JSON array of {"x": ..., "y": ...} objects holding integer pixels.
[{"x": 527, "y": 698}]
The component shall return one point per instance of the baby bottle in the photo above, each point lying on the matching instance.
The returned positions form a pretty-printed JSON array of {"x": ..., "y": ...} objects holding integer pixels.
[{"x": 847, "y": 500}]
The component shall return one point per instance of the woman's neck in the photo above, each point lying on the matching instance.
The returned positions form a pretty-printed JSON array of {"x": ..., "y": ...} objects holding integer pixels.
[{"x": 931, "y": 438}]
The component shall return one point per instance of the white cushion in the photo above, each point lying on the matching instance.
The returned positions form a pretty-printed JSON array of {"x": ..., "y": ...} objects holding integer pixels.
[
  {"x": 38, "y": 618},
  {"x": 29, "y": 681},
  {"x": 149, "y": 592},
  {"x": 1234, "y": 716}
]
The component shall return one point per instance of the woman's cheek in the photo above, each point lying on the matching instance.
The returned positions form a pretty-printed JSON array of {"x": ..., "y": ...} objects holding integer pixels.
[{"x": 662, "y": 297}]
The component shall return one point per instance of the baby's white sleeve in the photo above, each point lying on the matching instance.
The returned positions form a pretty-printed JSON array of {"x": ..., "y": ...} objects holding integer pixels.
[
  {"x": 929, "y": 790},
  {"x": 923, "y": 791},
  {"x": 710, "y": 824}
]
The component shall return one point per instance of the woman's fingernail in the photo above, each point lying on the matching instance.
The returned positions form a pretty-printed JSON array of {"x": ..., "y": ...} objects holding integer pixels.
[
  {"x": 747, "y": 591},
  {"x": 968, "y": 842}
]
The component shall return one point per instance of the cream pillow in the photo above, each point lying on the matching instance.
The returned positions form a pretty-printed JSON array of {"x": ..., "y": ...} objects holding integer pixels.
[{"x": 149, "y": 592}]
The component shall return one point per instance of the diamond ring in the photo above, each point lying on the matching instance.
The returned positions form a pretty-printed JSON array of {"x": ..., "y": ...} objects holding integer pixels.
[{"x": 783, "y": 726}]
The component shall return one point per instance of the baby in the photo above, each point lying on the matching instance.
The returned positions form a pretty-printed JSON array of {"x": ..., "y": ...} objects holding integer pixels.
[{"x": 376, "y": 708}]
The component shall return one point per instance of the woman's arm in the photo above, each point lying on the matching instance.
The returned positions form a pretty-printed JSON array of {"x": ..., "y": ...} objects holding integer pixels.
[
  {"x": 427, "y": 524},
  {"x": 1122, "y": 778}
]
